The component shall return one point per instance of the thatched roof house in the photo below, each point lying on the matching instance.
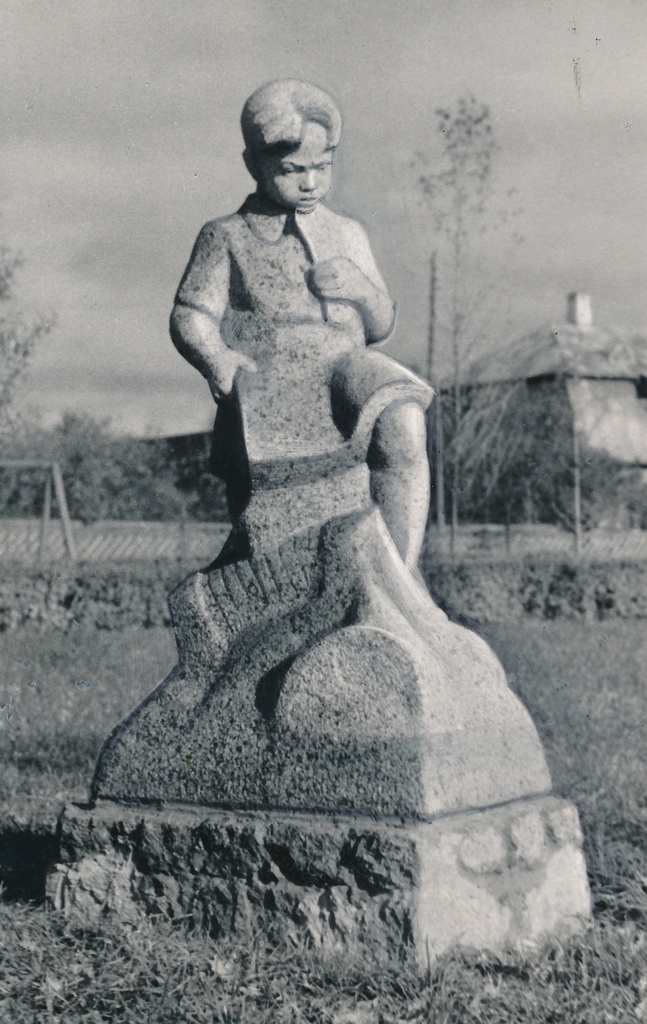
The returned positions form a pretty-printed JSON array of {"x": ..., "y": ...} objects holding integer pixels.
[{"x": 605, "y": 371}]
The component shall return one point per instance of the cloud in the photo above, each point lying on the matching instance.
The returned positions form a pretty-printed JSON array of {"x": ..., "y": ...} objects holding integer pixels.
[{"x": 121, "y": 137}]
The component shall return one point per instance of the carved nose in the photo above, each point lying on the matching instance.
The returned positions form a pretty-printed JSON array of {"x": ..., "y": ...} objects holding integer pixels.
[{"x": 308, "y": 183}]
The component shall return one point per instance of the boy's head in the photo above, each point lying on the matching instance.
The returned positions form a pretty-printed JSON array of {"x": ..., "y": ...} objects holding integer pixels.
[{"x": 291, "y": 130}]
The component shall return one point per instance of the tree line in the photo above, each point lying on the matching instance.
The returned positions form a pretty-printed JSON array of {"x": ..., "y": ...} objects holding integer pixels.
[
  {"x": 514, "y": 447},
  {"x": 110, "y": 477}
]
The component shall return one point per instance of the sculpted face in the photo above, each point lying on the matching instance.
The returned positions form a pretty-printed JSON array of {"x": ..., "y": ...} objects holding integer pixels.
[{"x": 300, "y": 179}]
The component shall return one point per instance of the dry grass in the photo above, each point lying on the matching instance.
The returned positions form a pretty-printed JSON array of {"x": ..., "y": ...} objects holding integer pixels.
[
  {"x": 586, "y": 689},
  {"x": 60, "y": 694}
]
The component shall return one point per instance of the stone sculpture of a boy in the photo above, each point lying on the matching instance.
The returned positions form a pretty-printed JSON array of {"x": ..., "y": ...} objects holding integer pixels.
[
  {"x": 326, "y": 722},
  {"x": 275, "y": 310}
]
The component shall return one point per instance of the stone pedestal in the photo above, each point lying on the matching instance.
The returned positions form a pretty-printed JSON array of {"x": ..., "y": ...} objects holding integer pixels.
[{"x": 503, "y": 878}]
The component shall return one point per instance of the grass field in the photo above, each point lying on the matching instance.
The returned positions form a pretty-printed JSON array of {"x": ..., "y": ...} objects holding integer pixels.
[{"x": 60, "y": 694}]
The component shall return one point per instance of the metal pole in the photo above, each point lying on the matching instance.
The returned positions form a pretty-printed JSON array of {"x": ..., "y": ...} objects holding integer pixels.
[
  {"x": 59, "y": 490},
  {"x": 577, "y": 492},
  {"x": 47, "y": 510},
  {"x": 438, "y": 454},
  {"x": 439, "y": 462},
  {"x": 431, "y": 333}
]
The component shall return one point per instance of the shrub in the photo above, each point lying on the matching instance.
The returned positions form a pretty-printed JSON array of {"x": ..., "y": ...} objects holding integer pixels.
[
  {"x": 548, "y": 589},
  {"x": 118, "y": 595}
]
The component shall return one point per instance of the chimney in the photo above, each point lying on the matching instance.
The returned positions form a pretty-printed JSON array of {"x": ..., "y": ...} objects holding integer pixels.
[{"x": 578, "y": 309}]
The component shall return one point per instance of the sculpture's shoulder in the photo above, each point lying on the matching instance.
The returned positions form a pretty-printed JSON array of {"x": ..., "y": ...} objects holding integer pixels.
[
  {"x": 218, "y": 232},
  {"x": 337, "y": 234},
  {"x": 208, "y": 265},
  {"x": 341, "y": 224},
  {"x": 342, "y": 235}
]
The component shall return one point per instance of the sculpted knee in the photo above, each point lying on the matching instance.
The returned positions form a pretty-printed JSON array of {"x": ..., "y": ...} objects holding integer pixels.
[{"x": 399, "y": 437}]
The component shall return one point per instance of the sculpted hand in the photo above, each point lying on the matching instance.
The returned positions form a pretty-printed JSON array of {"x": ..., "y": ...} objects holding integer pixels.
[
  {"x": 340, "y": 279},
  {"x": 221, "y": 377}
]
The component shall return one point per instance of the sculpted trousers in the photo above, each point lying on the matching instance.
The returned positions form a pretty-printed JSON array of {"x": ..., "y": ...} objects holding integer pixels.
[{"x": 397, "y": 459}]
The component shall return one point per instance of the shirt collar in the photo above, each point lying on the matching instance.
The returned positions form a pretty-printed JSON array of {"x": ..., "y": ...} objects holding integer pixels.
[{"x": 266, "y": 219}]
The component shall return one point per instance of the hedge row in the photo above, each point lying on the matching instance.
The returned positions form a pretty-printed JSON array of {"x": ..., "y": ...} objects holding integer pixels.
[
  {"x": 542, "y": 588},
  {"x": 115, "y": 596},
  {"x": 106, "y": 595}
]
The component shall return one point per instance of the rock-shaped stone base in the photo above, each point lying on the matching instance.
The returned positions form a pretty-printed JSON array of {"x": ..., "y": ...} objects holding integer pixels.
[
  {"x": 321, "y": 676},
  {"x": 507, "y": 877}
]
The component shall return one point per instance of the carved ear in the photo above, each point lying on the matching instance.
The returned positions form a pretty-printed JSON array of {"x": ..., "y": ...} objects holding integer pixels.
[{"x": 251, "y": 163}]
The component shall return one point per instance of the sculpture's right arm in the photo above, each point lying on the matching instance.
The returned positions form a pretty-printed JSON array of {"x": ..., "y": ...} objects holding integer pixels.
[
  {"x": 200, "y": 305},
  {"x": 197, "y": 337}
]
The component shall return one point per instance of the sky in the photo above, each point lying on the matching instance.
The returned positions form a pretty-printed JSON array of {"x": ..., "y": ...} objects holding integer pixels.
[{"x": 121, "y": 138}]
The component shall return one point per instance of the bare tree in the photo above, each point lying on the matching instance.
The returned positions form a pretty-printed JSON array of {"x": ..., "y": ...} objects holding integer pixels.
[
  {"x": 18, "y": 336},
  {"x": 522, "y": 460},
  {"x": 465, "y": 205}
]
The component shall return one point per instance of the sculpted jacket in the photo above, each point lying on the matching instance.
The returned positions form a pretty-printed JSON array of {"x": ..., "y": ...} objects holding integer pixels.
[{"x": 249, "y": 273}]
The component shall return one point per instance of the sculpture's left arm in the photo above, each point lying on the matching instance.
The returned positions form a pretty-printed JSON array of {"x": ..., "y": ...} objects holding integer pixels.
[
  {"x": 355, "y": 278},
  {"x": 376, "y": 309}
]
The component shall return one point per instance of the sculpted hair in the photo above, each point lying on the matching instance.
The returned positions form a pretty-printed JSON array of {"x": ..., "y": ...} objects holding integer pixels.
[{"x": 275, "y": 114}]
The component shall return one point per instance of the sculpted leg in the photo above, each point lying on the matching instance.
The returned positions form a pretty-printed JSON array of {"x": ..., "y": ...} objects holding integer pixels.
[{"x": 397, "y": 459}]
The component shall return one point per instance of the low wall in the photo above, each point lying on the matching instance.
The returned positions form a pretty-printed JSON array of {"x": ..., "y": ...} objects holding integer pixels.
[{"x": 119, "y": 595}]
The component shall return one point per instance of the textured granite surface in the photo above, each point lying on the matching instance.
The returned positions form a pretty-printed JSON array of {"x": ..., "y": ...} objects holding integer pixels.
[
  {"x": 499, "y": 879},
  {"x": 322, "y": 676}
]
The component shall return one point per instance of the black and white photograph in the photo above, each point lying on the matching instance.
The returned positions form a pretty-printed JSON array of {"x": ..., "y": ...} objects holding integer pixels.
[{"x": 323, "y": 512}]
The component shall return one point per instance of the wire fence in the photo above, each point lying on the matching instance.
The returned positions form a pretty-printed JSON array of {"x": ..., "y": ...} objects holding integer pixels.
[
  {"x": 108, "y": 541},
  {"x": 113, "y": 540},
  {"x": 500, "y": 543}
]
